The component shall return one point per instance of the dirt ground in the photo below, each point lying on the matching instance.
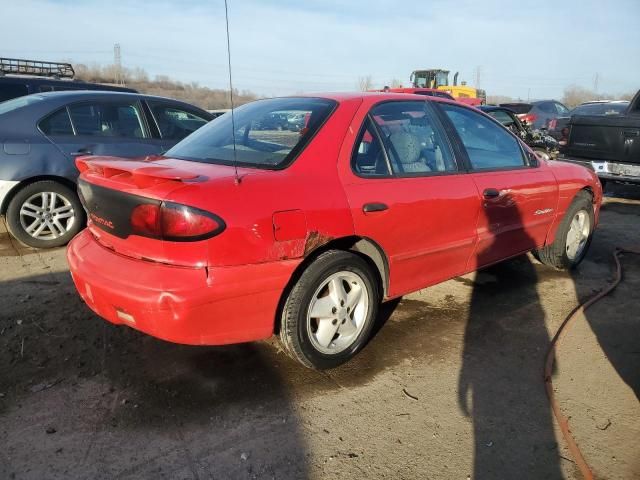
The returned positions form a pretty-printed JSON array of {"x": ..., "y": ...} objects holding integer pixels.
[{"x": 450, "y": 387}]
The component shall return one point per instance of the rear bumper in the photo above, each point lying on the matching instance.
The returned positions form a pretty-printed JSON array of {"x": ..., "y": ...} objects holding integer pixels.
[
  {"x": 606, "y": 170},
  {"x": 196, "y": 306}
]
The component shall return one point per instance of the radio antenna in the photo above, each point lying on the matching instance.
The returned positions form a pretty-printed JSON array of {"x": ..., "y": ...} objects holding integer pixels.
[{"x": 233, "y": 120}]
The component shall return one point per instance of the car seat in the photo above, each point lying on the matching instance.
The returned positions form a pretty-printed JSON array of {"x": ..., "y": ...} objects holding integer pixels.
[{"x": 407, "y": 152}]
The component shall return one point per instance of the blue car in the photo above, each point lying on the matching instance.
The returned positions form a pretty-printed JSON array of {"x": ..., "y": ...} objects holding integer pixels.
[{"x": 42, "y": 134}]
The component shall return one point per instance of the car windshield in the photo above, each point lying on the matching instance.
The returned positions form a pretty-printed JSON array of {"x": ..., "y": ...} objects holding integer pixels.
[
  {"x": 268, "y": 133},
  {"x": 14, "y": 104},
  {"x": 600, "y": 109}
]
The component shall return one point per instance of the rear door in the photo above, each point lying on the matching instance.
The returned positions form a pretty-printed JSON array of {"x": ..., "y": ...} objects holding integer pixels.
[
  {"x": 105, "y": 127},
  {"x": 518, "y": 195},
  {"x": 407, "y": 193}
]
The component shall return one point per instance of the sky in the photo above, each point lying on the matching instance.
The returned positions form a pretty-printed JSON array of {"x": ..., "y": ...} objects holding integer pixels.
[{"x": 523, "y": 49}]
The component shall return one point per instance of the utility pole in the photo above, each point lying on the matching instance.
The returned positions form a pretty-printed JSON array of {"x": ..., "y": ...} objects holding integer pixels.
[
  {"x": 478, "y": 74},
  {"x": 595, "y": 82},
  {"x": 117, "y": 62}
]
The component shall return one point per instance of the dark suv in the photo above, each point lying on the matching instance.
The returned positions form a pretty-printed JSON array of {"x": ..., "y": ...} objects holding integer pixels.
[{"x": 24, "y": 77}]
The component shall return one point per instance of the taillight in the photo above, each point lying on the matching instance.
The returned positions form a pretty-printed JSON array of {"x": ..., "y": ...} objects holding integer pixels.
[
  {"x": 528, "y": 117},
  {"x": 174, "y": 222}
]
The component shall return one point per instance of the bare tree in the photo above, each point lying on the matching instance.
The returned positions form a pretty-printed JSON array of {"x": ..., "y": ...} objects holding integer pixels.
[
  {"x": 395, "y": 83},
  {"x": 365, "y": 83},
  {"x": 164, "y": 86}
]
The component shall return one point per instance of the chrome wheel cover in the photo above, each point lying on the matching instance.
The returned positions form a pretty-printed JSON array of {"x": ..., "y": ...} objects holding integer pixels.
[
  {"x": 47, "y": 216},
  {"x": 337, "y": 312},
  {"x": 578, "y": 235}
]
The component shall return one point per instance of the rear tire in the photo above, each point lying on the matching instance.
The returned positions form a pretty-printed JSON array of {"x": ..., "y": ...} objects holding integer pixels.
[
  {"x": 330, "y": 311},
  {"x": 45, "y": 214},
  {"x": 573, "y": 236}
]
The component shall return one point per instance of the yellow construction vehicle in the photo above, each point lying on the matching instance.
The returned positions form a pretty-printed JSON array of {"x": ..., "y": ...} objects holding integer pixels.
[{"x": 438, "y": 78}]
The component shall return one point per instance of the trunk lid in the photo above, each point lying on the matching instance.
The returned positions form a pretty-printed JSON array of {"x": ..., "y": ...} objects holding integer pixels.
[{"x": 110, "y": 188}]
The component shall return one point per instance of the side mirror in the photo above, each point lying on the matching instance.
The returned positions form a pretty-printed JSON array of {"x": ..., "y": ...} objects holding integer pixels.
[{"x": 534, "y": 161}]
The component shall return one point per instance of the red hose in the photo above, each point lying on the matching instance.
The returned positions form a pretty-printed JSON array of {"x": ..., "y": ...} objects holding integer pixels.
[{"x": 563, "y": 422}]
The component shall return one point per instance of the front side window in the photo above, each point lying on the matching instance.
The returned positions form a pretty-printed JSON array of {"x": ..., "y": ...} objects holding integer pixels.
[
  {"x": 107, "y": 120},
  {"x": 488, "y": 145},
  {"x": 412, "y": 139},
  {"x": 175, "y": 123},
  {"x": 57, "y": 123},
  {"x": 268, "y": 133}
]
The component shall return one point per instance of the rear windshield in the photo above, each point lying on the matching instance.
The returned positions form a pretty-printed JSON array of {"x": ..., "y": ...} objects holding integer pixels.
[
  {"x": 600, "y": 109},
  {"x": 268, "y": 133},
  {"x": 11, "y": 105},
  {"x": 518, "y": 108}
]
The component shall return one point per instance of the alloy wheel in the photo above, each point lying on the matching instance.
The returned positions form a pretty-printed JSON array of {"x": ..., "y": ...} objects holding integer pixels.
[{"x": 47, "y": 215}]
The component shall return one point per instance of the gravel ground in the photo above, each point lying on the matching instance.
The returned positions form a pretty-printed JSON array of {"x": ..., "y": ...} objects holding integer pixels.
[{"x": 450, "y": 387}]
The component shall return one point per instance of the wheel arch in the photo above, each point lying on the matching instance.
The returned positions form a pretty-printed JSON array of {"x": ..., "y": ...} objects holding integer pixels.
[
  {"x": 365, "y": 247},
  {"x": 28, "y": 181},
  {"x": 553, "y": 230}
]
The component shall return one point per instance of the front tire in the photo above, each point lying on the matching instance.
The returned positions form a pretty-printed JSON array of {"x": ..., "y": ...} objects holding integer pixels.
[
  {"x": 45, "y": 214},
  {"x": 573, "y": 236},
  {"x": 330, "y": 310}
]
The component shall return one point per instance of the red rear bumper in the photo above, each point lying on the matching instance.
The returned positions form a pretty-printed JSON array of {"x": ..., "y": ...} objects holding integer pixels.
[{"x": 196, "y": 306}]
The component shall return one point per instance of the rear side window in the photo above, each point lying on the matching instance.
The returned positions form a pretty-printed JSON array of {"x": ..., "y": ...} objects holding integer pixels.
[
  {"x": 268, "y": 133},
  {"x": 488, "y": 145},
  {"x": 412, "y": 139},
  {"x": 175, "y": 123},
  {"x": 58, "y": 123},
  {"x": 547, "y": 107},
  {"x": 107, "y": 120}
]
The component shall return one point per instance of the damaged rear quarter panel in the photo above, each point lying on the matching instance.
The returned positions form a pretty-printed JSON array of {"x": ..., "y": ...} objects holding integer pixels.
[{"x": 310, "y": 187}]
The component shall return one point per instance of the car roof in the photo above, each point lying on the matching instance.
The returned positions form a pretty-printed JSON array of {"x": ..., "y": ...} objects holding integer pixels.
[
  {"x": 372, "y": 97},
  {"x": 64, "y": 96},
  {"x": 592, "y": 102}
]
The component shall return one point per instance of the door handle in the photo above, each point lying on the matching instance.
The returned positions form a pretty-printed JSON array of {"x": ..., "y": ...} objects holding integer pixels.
[
  {"x": 491, "y": 193},
  {"x": 374, "y": 207}
]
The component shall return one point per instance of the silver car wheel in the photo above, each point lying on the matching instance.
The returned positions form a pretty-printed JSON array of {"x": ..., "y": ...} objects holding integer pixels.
[
  {"x": 578, "y": 234},
  {"x": 337, "y": 312},
  {"x": 47, "y": 215}
]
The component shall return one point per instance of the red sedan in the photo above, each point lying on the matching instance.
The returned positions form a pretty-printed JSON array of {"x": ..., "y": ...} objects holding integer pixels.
[{"x": 241, "y": 231}]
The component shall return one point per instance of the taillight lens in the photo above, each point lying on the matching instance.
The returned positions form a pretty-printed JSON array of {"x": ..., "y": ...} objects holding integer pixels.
[
  {"x": 528, "y": 117},
  {"x": 174, "y": 222}
]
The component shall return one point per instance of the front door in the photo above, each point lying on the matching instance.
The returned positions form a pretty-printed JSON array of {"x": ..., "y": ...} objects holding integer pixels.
[
  {"x": 518, "y": 194},
  {"x": 407, "y": 193}
]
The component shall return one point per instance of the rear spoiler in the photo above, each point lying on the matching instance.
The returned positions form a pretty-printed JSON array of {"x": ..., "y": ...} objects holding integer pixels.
[{"x": 141, "y": 172}]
